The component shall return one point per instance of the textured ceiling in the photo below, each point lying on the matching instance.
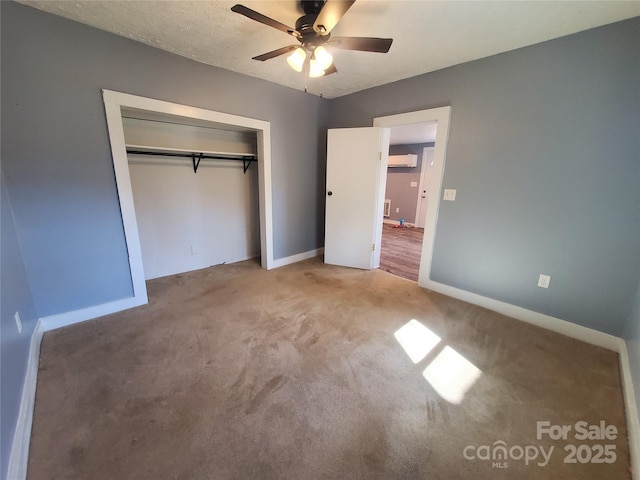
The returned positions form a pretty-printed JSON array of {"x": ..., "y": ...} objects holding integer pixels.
[{"x": 428, "y": 35}]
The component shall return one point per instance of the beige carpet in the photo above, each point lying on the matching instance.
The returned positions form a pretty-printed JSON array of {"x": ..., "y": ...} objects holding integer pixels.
[{"x": 234, "y": 372}]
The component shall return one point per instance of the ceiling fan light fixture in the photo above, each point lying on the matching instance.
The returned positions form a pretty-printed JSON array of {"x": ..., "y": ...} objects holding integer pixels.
[
  {"x": 315, "y": 69},
  {"x": 322, "y": 57},
  {"x": 296, "y": 59}
]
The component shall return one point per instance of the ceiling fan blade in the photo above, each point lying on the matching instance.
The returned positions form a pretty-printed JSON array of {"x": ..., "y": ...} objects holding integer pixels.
[
  {"x": 331, "y": 70},
  {"x": 363, "y": 44},
  {"x": 258, "y": 17},
  {"x": 330, "y": 15},
  {"x": 275, "y": 53}
]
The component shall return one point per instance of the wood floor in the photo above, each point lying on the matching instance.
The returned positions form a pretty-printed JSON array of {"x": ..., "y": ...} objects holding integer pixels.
[{"x": 401, "y": 248}]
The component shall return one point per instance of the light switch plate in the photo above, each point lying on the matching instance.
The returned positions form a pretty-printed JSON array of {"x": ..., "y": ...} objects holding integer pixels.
[{"x": 450, "y": 194}]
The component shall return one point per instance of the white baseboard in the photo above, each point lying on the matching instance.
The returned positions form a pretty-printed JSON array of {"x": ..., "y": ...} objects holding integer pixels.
[
  {"x": 281, "y": 262},
  {"x": 569, "y": 329},
  {"x": 20, "y": 448},
  {"x": 633, "y": 423},
  {"x": 69, "y": 318},
  {"x": 202, "y": 267}
]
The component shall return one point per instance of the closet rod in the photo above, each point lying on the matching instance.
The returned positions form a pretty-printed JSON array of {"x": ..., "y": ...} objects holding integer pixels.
[{"x": 196, "y": 157}]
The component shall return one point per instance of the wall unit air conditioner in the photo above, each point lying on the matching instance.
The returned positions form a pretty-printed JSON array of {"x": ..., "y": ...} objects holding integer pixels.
[{"x": 409, "y": 160}]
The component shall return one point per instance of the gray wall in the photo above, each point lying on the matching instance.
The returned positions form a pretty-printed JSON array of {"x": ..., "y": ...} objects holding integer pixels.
[
  {"x": 56, "y": 150},
  {"x": 544, "y": 152},
  {"x": 15, "y": 296},
  {"x": 632, "y": 339},
  {"x": 399, "y": 179}
]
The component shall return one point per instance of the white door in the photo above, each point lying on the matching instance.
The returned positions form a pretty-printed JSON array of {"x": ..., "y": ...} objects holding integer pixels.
[
  {"x": 421, "y": 211},
  {"x": 356, "y": 180}
]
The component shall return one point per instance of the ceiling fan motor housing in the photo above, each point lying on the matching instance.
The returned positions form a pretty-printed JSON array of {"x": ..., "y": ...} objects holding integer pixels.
[
  {"x": 311, "y": 7},
  {"x": 310, "y": 37}
]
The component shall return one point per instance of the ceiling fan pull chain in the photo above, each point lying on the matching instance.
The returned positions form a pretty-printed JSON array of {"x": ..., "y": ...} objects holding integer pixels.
[{"x": 306, "y": 74}]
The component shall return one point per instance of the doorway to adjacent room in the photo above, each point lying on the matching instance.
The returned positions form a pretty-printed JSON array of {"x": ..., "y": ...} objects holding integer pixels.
[{"x": 410, "y": 160}]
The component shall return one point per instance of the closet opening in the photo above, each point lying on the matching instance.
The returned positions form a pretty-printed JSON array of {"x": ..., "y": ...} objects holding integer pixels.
[
  {"x": 196, "y": 199},
  {"x": 194, "y": 186}
]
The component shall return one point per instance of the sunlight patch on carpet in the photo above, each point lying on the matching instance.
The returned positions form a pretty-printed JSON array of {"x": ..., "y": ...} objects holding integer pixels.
[
  {"x": 451, "y": 375},
  {"x": 416, "y": 339}
]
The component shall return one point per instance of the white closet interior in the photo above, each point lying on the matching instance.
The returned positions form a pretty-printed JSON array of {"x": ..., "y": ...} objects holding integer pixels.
[{"x": 195, "y": 191}]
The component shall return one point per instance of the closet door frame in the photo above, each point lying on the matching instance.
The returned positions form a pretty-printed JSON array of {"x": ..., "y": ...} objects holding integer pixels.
[{"x": 113, "y": 103}]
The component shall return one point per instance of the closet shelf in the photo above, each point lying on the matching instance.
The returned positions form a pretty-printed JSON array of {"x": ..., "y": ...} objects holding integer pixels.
[{"x": 196, "y": 157}]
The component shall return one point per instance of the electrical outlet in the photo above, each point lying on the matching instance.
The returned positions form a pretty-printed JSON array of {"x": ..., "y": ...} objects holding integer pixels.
[
  {"x": 544, "y": 281},
  {"x": 18, "y": 322},
  {"x": 397, "y": 210},
  {"x": 413, "y": 184},
  {"x": 450, "y": 194}
]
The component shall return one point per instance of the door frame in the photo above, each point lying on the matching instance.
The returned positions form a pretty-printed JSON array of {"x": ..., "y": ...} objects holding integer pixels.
[
  {"x": 113, "y": 104},
  {"x": 442, "y": 117}
]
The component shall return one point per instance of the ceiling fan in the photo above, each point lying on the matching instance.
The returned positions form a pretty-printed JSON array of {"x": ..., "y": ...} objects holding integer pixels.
[{"x": 313, "y": 32}]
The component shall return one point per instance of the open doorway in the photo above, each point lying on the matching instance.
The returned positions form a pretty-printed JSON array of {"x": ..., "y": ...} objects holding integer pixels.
[
  {"x": 410, "y": 156},
  {"x": 433, "y": 179}
]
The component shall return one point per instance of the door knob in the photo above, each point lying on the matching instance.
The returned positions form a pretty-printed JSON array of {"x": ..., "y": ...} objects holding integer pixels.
[{"x": 329, "y": 193}]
